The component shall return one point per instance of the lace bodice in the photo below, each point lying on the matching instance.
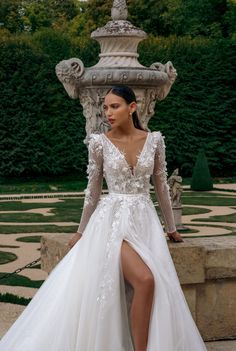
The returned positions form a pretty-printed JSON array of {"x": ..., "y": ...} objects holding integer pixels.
[{"x": 106, "y": 160}]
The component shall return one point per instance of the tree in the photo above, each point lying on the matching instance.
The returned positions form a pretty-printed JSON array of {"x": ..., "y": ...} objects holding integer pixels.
[
  {"x": 48, "y": 13},
  {"x": 201, "y": 180},
  {"x": 210, "y": 18},
  {"x": 31, "y": 15},
  {"x": 92, "y": 14},
  {"x": 11, "y": 15}
]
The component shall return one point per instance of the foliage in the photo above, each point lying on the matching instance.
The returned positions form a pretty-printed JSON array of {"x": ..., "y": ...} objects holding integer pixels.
[
  {"x": 210, "y": 18},
  {"x": 30, "y": 15},
  {"x": 40, "y": 127},
  {"x": 11, "y": 16},
  {"x": 201, "y": 180},
  {"x": 200, "y": 107}
]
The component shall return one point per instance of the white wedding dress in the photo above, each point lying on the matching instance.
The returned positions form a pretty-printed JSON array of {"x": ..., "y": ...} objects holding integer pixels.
[{"x": 81, "y": 306}]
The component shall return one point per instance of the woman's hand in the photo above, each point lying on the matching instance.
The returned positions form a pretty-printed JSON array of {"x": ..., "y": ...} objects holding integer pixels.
[
  {"x": 74, "y": 240},
  {"x": 175, "y": 237}
]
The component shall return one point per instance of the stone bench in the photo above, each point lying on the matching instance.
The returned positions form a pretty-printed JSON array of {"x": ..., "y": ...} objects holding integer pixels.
[{"x": 206, "y": 268}]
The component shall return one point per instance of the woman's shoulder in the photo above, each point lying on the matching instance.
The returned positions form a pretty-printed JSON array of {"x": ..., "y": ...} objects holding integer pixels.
[
  {"x": 95, "y": 142},
  {"x": 157, "y": 134},
  {"x": 94, "y": 136},
  {"x": 158, "y": 141}
]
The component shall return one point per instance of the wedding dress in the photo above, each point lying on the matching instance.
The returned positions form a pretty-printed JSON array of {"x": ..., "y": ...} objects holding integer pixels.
[{"x": 82, "y": 306}]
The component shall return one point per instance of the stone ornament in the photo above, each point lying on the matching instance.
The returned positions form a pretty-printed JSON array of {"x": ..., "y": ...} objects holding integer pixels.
[
  {"x": 176, "y": 188},
  {"x": 69, "y": 72},
  {"x": 119, "y": 10},
  {"x": 118, "y": 64}
]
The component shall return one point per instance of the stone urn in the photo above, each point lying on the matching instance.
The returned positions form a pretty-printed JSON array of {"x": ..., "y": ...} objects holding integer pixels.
[{"x": 118, "y": 65}]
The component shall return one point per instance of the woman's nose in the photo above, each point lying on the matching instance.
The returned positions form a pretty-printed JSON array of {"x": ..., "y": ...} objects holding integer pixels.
[{"x": 109, "y": 112}]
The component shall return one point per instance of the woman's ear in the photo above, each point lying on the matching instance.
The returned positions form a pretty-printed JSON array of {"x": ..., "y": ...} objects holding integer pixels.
[{"x": 133, "y": 106}]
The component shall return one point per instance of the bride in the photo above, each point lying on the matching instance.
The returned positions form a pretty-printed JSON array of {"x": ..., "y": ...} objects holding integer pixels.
[{"x": 82, "y": 306}]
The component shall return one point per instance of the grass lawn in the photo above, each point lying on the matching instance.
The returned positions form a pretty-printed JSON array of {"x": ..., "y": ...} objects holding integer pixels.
[
  {"x": 41, "y": 185},
  {"x": 189, "y": 193},
  {"x": 209, "y": 200},
  {"x": 6, "y": 257},
  {"x": 30, "y": 239},
  {"x": 17, "y": 229},
  {"x": 187, "y": 210},
  {"x": 231, "y": 218},
  {"x": 20, "y": 280},
  {"x": 11, "y": 298},
  {"x": 228, "y": 227},
  {"x": 10, "y": 246},
  {"x": 68, "y": 210},
  {"x": 71, "y": 209}
]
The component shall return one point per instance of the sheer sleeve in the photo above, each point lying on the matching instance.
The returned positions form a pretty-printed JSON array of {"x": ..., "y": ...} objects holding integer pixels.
[
  {"x": 159, "y": 179},
  {"x": 95, "y": 180}
]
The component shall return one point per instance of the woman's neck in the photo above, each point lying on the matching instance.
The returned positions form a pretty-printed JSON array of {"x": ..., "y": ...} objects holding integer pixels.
[{"x": 126, "y": 130}]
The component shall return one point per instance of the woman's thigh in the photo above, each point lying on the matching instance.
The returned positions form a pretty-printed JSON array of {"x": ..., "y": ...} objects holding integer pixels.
[{"x": 135, "y": 270}]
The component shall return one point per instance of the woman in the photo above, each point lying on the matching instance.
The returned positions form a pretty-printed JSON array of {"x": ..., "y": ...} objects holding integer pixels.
[{"x": 82, "y": 304}]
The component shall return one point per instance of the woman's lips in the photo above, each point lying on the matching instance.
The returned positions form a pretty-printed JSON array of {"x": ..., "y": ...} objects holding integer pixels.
[{"x": 111, "y": 120}]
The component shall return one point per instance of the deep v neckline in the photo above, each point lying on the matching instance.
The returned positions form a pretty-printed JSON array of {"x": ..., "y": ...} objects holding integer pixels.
[{"x": 122, "y": 153}]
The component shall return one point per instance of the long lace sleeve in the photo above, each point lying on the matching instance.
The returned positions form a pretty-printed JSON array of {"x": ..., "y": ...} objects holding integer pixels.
[
  {"x": 95, "y": 180},
  {"x": 159, "y": 179}
]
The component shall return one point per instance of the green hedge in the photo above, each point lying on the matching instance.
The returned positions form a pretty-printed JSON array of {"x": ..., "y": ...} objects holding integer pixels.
[
  {"x": 201, "y": 179},
  {"x": 42, "y": 128},
  {"x": 199, "y": 111}
]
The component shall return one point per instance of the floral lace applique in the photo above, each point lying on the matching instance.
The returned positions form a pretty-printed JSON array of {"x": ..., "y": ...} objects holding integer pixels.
[
  {"x": 122, "y": 207},
  {"x": 118, "y": 174},
  {"x": 105, "y": 159}
]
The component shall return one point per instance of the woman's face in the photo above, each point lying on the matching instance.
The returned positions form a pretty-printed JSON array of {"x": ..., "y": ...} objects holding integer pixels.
[{"x": 117, "y": 110}]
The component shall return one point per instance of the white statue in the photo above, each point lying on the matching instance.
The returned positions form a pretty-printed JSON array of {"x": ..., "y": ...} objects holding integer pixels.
[{"x": 176, "y": 188}]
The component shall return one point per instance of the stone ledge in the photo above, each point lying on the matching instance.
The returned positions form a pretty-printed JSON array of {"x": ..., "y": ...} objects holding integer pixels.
[
  {"x": 206, "y": 268},
  {"x": 196, "y": 259},
  {"x": 227, "y": 345}
]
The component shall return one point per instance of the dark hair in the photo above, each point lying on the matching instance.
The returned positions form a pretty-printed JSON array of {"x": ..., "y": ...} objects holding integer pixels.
[{"x": 129, "y": 96}]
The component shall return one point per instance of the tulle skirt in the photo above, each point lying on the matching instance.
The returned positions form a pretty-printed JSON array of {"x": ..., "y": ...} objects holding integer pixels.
[{"x": 82, "y": 304}]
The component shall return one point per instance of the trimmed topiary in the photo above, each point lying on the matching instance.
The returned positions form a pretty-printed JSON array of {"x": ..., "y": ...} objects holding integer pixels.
[{"x": 201, "y": 179}]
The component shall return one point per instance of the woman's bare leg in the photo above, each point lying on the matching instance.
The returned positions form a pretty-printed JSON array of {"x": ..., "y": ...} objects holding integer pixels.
[{"x": 140, "y": 277}]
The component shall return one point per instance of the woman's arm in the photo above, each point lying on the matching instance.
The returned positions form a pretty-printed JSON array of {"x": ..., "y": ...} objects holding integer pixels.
[
  {"x": 159, "y": 179},
  {"x": 95, "y": 180},
  {"x": 94, "y": 186}
]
